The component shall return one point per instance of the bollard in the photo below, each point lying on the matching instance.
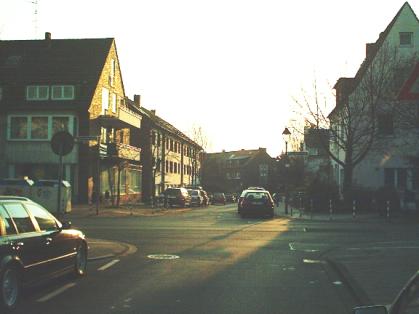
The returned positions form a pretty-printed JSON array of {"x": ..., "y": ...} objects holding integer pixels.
[
  {"x": 330, "y": 210},
  {"x": 354, "y": 209},
  {"x": 311, "y": 209},
  {"x": 301, "y": 207},
  {"x": 388, "y": 210}
]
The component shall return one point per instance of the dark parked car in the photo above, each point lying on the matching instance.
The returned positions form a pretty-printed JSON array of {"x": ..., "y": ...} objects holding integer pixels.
[
  {"x": 34, "y": 246},
  {"x": 177, "y": 197},
  {"x": 230, "y": 198},
  {"x": 256, "y": 202},
  {"x": 219, "y": 198}
]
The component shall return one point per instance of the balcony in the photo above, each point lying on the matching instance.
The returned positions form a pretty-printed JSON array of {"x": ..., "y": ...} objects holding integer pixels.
[
  {"x": 123, "y": 118},
  {"x": 121, "y": 151}
]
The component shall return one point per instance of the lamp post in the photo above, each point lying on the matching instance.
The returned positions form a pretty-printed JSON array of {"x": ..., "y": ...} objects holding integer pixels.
[{"x": 286, "y": 136}]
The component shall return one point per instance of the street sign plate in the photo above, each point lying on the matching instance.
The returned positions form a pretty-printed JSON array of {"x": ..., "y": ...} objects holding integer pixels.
[{"x": 62, "y": 143}]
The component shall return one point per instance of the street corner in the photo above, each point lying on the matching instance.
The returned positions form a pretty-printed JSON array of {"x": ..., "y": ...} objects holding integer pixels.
[{"x": 102, "y": 249}]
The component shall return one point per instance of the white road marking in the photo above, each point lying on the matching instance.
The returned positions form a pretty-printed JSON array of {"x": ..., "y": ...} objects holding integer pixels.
[
  {"x": 110, "y": 264},
  {"x": 337, "y": 283},
  {"x": 291, "y": 245},
  {"x": 383, "y": 248},
  {"x": 313, "y": 261},
  {"x": 56, "y": 292}
]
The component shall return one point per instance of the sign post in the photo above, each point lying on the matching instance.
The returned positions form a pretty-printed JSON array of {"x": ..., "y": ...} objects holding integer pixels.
[{"x": 62, "y": 144}]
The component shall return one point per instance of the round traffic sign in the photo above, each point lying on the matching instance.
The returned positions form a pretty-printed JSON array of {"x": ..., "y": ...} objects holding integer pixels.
[{"x": 62, "y": 143}]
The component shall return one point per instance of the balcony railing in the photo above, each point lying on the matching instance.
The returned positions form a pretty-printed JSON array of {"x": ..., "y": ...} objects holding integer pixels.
[
  {"x": 119, "y": 150},
  {"x": 129, "y": 116},
  {"x": 124, "y": 115}
]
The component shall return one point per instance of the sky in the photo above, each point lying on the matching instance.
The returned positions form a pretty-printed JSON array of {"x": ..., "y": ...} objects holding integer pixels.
[{"x": 231, "y": 67}]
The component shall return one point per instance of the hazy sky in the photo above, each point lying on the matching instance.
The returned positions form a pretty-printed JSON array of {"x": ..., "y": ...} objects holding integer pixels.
[{"x": 229, "y": 66}]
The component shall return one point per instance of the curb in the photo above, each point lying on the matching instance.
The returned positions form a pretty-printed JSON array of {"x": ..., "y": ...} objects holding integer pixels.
[
  {"x": 353, "y": 286},
  {"x": 127, "y": 249}
]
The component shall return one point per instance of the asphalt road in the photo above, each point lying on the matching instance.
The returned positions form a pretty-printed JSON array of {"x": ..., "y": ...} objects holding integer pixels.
[{"x": 211, "y": 261}]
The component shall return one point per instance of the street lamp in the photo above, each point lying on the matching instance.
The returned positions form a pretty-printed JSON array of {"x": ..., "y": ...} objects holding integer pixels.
[{"x": 286, "y": 134}]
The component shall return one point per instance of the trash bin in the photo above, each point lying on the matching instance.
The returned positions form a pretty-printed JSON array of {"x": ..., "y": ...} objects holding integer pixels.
[
  {"x": 45, "y": 192},
  {"x": 16, "y": 187}
]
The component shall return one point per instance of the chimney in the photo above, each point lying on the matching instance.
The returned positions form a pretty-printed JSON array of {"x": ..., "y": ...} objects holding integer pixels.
[
  {"x": 153, "y": 112},
  {"x": 47, "y": 39},
  {"x": 137, "y": 100},
  {"x": 369, "y": 48}
]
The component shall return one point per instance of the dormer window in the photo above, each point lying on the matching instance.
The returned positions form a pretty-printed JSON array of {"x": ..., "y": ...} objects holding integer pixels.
[
  {"x": 406, "y": 39},
  {"x": 62, "y": 92},
  {"x": 36, "y": 92}
]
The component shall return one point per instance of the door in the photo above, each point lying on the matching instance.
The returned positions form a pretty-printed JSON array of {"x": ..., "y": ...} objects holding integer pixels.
[
  {"x": 56, "y": 242},
  {"x": 26, "y": 242}
]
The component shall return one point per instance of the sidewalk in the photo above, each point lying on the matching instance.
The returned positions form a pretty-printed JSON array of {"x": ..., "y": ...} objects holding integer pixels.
[
  {"x": 346, "y": 217},
  {"x": 84, "y": 210}
]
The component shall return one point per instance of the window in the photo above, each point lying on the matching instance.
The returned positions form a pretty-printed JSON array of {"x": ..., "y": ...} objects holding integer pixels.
[
  {"x": 385, "y": 124},
  {"x": 43, "y": 217},
  {"x": 18, "y": 128},
  {"x": 10, "y": 228},
  {"x": 389, "y": 177},
  {"x": 158, "y": 139},
  {"x": 167, "y": 166},
  {"x": 21, "y": 217},
  {"x": 1, "y": 93},
  {"x": 60, "y": 124},
  {"x": 114, "y": 102},
  {"x": 171, "y": 166},
  {"x": 39, "y": 128},
  {"x": 402, "y": 178},
  {"x": 406, "y": 39},
  {"x": 105, "y": 100},
  {"x": 62, "y": 92},
  {"x": 37, "y": 92}
]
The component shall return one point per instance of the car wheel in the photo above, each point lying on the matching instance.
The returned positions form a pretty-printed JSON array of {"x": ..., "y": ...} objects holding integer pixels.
[
  {"x": 80, "y": 263},
  {"x": 10, "y": 288}
]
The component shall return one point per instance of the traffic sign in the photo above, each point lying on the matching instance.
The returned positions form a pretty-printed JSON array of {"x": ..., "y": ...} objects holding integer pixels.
[{"x": 62, "y": 143}]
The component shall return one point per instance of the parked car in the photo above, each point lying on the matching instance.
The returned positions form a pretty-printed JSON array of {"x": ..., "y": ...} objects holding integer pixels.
[
  {"x": 34, "y": 246},
  {"x": 257, "y": 202},
  {"x": 196, "y": 198},
  {"x": 177, "y": 197},
  {"x": 219, "y": 198},
  {"x": 231, "y": 198},
  {"x": 206, "y": 199},
  {"x": 406, "y": 302}
]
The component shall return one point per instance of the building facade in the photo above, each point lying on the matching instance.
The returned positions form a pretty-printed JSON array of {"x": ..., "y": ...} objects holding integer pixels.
[
  {"x": 389, "y": 135},
  {"x": 169, "y": 157},
  {"x": 236, "y": 170},
  {"x": 72, "y": 85}
]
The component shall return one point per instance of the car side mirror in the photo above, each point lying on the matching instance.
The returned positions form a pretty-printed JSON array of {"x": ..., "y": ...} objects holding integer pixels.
[
  {"x": 373, "y": 309},
  {"x": 66, "y": 225}
]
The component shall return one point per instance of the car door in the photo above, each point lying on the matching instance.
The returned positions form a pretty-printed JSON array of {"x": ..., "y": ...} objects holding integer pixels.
[
  {"x": 27, "y": 243},
  {"x": 59, "y": 244}
]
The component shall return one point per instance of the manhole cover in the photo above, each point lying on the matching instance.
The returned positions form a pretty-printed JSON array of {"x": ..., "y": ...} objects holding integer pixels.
[{"x": 162, "y": 256}]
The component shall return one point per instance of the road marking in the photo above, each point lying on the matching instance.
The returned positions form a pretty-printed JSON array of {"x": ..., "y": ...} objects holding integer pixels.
[
  {"x": 163, "y": 256},
  {"x": 56, "y": 292},
  {"x": 384, "y": 248},
  {"x": 313, "y": 261},
  {"x": 291, "y": 245},
  {"x": 110, "y": 264}
]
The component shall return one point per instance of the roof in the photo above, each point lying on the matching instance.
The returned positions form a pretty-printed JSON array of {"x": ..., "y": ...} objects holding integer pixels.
[
  {"x": 59, "y": 61},
  {"x": 243, "y": 154},
  {"x": 351, "y": 83},
  {"x": 166, "y": 126}
]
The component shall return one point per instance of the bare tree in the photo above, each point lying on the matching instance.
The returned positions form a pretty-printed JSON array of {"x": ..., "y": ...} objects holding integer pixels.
[{"x": 359, "y": 101}]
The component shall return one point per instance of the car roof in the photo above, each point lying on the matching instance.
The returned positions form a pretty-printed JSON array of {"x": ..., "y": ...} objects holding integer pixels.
[{"x": 14, "y": 198}]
